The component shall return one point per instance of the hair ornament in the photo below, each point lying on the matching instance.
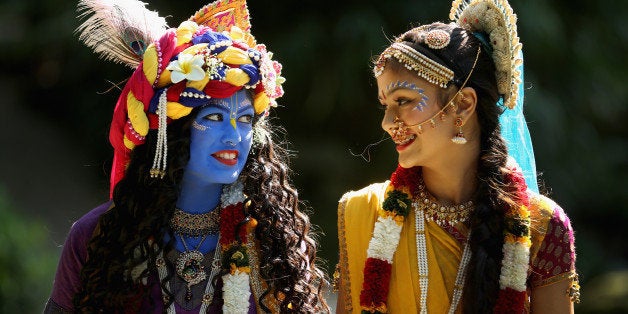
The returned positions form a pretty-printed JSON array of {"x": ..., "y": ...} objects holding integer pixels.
[
  {"x": 437, "y": 39},
  {"x": 497, "y": 20}
]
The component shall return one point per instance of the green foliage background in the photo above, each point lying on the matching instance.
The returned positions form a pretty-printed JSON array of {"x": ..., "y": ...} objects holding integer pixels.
[{"x": 55, "y": 156}]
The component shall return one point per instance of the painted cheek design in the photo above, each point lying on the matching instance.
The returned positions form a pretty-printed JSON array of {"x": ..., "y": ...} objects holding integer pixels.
[
  {"x": 423, "y": 101},
  {"x": 198, "y": 126},
  {"x": 411, "y": 86}
]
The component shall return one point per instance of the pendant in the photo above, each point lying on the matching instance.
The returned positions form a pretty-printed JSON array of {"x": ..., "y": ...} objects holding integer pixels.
[{"x": 190, "y": 268}]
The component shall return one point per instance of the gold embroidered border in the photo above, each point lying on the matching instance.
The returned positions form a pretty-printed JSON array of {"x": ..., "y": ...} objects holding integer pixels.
[
  {"x": 554, "y": 279},
  {"x": 345, "y": 281}
]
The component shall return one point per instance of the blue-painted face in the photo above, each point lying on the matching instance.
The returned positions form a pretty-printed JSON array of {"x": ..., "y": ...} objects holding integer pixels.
[{"x": 221, "y": 138}]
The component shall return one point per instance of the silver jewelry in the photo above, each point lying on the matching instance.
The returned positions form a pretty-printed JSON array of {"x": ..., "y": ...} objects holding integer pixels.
[
  {"x": 189, "y": 266},
  {"x": 208, "y": 295}
]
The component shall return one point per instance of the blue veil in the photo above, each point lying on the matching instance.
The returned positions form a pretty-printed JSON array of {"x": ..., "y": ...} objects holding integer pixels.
[{"x": 517, "y": 136}]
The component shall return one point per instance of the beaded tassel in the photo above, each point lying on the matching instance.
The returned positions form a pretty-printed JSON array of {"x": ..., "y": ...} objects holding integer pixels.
[{"x": 161, "y": 151}]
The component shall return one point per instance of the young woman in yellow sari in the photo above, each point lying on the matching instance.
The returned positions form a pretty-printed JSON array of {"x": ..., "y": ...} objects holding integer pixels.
[{"x": 460, "y": 226}]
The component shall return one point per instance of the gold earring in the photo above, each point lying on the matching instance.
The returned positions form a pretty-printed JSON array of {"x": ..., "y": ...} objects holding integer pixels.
[{"x": 459, "y": 137}]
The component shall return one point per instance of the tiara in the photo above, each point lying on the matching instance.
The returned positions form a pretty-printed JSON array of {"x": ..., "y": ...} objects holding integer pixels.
[
  {"x": 413, "y": 60},
  {"x": 496, "y": 19}
]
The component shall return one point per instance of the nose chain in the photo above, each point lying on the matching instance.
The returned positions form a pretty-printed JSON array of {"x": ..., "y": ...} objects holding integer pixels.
[{"x": 399, "y": 132}]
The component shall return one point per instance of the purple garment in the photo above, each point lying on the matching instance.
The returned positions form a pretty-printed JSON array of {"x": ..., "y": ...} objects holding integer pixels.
[{"x": 73, "y": 257}]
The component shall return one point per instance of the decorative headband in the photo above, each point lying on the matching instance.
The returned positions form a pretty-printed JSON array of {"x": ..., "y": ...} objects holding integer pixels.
[
  {"x": 212, "y": 55},
  {"x": 413, "y": 60}
]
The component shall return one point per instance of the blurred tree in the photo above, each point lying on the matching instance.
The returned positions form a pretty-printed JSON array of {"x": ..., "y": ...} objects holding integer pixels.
[{"x": 25, "y": 262}]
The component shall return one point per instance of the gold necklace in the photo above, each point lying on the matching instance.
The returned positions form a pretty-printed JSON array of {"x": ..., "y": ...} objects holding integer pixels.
[
  {"x": 443, "y": 215},
  {"x": 195, "y": 225}
]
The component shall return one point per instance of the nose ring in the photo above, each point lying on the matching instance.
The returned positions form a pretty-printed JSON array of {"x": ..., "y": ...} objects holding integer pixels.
[
  {"x": 399, "y": 123},
  {"x": 399, "y": 132}
]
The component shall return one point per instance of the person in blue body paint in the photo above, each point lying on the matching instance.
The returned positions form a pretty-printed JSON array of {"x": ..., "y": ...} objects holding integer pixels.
[{"x": 203, "y": 217}]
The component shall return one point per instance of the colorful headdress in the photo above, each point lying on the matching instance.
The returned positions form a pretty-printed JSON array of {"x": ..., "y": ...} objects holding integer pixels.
[{"x": 212, "y": 55}]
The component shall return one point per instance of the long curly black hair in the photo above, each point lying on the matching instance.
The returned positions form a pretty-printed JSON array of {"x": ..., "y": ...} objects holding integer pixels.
[
  {"x": 495, "y": 193},
  {"x": 133, "y": 231}
]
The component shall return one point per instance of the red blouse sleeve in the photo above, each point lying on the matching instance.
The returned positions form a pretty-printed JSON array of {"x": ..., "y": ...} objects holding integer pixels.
[{"x": 556, "y": 258}]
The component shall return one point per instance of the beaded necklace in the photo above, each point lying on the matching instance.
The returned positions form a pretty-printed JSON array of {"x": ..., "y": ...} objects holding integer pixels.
[{"x": 421, "y": 208}]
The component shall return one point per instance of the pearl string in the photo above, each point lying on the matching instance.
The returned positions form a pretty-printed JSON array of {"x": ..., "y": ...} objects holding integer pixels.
[
  {"x": 421, "y": 249},
  {"x": 161, "y": 152}
]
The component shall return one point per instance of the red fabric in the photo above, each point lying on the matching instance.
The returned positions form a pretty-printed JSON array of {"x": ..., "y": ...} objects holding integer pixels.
[
  {"x": 376, "y": 283},
  {"x": 140, "y": 87},
  {"x": 116, "y": 133},
  {"x": 510, "y": 301},
  {"x": 167, "y": 44},
  {"x": 132, "y": 135},
  {"x": 219, "y": 89},
  {"x": 174, "y": 91},
  {"x": 180, "y": 48},
  {"x": 557, "y": 253},
  {"x": 259, "y": 88},
  {"x": 240, "y": 45}
]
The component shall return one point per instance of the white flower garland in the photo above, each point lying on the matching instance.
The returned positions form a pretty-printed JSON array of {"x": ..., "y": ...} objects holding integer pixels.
[
  {"x": 385, "y": 239},
  {"x": 236, "y": 292},
  {"x": 514, "y": 266}
]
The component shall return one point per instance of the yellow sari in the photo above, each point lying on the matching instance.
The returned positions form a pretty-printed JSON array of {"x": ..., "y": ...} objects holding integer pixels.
[{"x": 357, "y": 213}]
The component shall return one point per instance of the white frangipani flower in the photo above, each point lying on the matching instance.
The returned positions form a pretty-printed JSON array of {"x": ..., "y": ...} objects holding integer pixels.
[{"x": 188, "y": 67}]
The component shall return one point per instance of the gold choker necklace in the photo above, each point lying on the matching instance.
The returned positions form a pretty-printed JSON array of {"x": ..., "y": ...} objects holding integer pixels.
[
  {"x": 443, "y": 214},
  {"x": 195, "y": 225}
]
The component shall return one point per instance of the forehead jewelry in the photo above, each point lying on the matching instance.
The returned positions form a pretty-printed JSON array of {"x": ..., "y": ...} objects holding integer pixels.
[
  {"x": 413, "y": 60},
  {"x": 441, "y": 114}
]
